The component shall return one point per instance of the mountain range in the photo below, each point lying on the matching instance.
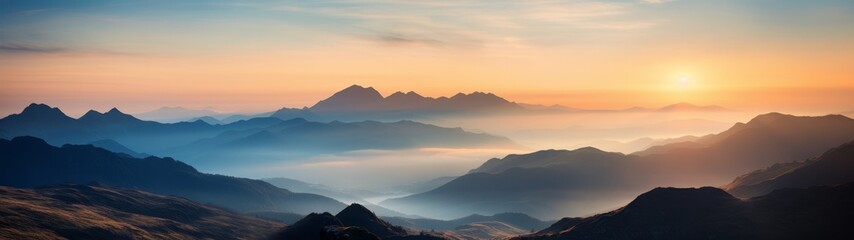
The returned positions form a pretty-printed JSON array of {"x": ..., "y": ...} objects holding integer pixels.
[
  {"x": 358, "y": 103},
  {"x": 70, "y": 211},
  {"x": 553, "y": 183},
  {"x": 206, "y": 145},
  {"x": 31, "y": 162},
  {"x": 710, "y": 213}
]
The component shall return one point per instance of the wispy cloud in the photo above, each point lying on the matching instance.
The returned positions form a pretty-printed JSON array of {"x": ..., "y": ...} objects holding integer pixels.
[
  {"x": 467, "y": 24},
  {"x": 28, "y": 48}
]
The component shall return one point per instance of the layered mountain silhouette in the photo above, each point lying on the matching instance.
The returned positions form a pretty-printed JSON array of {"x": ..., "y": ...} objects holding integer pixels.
[
  {"x": 354, "y": 222},
  {"x": 31, "y": 162},
  {"x": 305, "y": 136},
  {"x": 358, "y": 103},
  {"x": 176, "y": 114},
  {"x": 367, "y": 99},
  {"x": 52, "y": 125},
  {"x": 205, "y": 145},
  {"x": 834, "y": 167},
  {"x": 711, "y": 213},
  {"x": 553, "y": 183},
  {"x": 70, "y": 211},
  {"x": 117, "y": 147}
]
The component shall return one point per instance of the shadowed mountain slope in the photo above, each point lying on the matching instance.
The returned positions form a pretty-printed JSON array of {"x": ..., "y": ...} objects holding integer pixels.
[
  {"x": 96, "y": 212},
  {"x": 30, "y": 162},
  {"x": 710, "y": 213},
  {"x": 836, "y": 166}
]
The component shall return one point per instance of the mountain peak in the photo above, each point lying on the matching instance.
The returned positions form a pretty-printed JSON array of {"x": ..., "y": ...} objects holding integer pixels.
[
  {"x": 42, "y": 110},
  {"x": 353, "y": 97},
  {"x": 359, "y": 216},
  {"x": 356, "y": 210},
  {"x": 357, "y": 90},
  {"x": 114, "y": 111},
  {"x": 112, "y": 115}
]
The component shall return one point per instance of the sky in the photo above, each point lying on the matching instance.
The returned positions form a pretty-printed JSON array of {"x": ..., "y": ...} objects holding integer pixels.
[{"x": 251, "y": 56}]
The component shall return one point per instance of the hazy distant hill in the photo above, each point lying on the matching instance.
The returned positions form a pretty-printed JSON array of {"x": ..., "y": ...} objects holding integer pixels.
[
  {"x": 711, "y": 213},
  {"x": 175, "y": 114},
  {"x": 52, "y": 125},
  {"x": 300, "y": 135},
  {"x": 550, "y": 183},
  {"x": 834, "y": 167},
  {"x": 579, "y": 181},
  {"x": 30, "y": 162},
  {"x": 98, "y": 212},
  {"x": 304, "y": 187},
  {"x": 116, "y": 147}
]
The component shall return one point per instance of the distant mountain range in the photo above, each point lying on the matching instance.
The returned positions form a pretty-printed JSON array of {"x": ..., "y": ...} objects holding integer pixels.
[
  {"x": 71, "y": 211},
  {"x": 206, "y": 145},
  {"x": 358, "y": 103},
  {"x": 31, "y": 162},
  {"x": 176, "y": 114},
  {"x": 52, "y": 125},
  {"x": 553, "y": 183},
  {"x": 711, "y": 213}
]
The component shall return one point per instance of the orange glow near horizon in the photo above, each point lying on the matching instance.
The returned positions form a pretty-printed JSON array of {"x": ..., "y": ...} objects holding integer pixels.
[{"x": 605, "y": 56}]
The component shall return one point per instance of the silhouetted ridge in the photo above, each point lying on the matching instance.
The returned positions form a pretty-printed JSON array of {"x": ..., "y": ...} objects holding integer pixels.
[
  {"x": 42, "y": 111},
  {"x": 31, "y": 162},
  {"x": 350, "y": 99},
  {"x": 359, "y": 216},
  {"x": 670, "y": 197},
  {"x": 836, "y": 166},
  {"x": 708, "y": 213}
]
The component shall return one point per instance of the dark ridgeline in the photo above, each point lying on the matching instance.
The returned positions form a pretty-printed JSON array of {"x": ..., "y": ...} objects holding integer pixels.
[
  {"x": 710, "y": 213},
  {"x": 97, "y": 212},
  {"x": 835, "y": 166},
  {"x": 546, "y": 181},
  {"x": 31, "y": 162},
  {"x": 354, "y": 222}
]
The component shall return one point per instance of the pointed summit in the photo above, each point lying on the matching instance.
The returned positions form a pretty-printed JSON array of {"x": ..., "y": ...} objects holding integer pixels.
[
  {"x": 359, "y": 216},
  {"x": 353, "y": 98}
]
